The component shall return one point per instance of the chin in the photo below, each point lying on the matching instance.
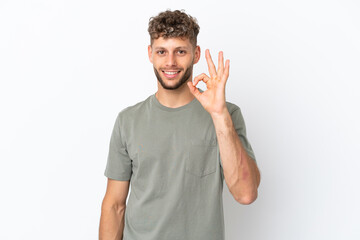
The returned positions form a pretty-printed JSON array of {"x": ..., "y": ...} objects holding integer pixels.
[{"x": 175, "y": 84}]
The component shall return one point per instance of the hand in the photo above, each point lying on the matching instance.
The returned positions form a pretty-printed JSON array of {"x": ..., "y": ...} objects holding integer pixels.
[{"x": 213, "y": 99}]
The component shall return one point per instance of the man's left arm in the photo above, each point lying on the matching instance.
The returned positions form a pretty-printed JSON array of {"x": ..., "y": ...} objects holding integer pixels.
[{"x": 241, "y": 173}]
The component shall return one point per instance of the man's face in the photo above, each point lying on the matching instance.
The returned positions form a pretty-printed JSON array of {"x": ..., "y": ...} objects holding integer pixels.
[{"x": 173, "y": 60}]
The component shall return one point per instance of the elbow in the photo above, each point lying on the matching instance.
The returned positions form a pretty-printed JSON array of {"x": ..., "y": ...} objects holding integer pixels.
[
  {"x": 247, "y": 199},
  {"x": 117, "y": 207}
]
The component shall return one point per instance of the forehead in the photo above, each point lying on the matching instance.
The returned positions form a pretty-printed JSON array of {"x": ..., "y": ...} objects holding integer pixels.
[{"x": 171, "y": 43}]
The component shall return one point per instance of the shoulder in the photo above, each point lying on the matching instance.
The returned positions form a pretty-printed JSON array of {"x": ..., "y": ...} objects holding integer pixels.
[
  {"x": 132, "y": 111},
  {"x": 232, "y": 107}
]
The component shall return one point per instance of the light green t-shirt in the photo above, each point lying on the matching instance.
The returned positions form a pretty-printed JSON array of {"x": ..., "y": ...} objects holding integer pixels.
[{"x": 172, "y": 160}]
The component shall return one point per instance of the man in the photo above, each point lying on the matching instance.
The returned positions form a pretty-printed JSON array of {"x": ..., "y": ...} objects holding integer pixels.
[{"x": 176, "y": 147}]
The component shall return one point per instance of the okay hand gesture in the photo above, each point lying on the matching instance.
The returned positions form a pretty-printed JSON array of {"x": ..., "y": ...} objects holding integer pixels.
[{"x": 213, "y": 99}]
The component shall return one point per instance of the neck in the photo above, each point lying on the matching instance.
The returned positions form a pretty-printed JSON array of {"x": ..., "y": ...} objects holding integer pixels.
[{"x": 174, "y": 98}]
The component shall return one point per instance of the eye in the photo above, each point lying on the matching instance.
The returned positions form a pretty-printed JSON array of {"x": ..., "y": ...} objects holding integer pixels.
[
  {"x": 160, "y": 52},
  {"x": 181, "y": 52}
]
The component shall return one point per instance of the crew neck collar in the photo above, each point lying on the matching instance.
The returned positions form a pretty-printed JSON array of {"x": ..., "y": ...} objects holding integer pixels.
[{"x": 156, "y": 102}]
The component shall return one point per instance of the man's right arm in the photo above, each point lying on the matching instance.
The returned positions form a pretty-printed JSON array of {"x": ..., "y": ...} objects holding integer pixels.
[{"x": 113, "y": 210}]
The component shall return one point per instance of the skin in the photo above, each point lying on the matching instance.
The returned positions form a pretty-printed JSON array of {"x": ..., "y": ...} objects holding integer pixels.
[
  {"x": 113, "y": 207},
  {"x": 173, "y": 54}
]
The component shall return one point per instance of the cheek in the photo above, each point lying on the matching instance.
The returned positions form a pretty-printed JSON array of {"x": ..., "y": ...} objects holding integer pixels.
[
  {"x": 191, "y": 61},
  {"x": 186, "y": 61},
  {"x": 156, "y": 61}
]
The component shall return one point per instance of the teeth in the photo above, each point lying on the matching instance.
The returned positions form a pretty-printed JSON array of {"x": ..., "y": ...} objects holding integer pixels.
[{"x": 171, "y": 73}]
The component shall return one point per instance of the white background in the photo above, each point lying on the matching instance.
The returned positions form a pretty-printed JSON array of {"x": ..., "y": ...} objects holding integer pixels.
[{"x": 68, "y": 67}]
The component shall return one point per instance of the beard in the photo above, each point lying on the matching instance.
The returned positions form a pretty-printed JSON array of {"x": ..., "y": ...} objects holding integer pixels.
[{"x": 183, "y": 80}]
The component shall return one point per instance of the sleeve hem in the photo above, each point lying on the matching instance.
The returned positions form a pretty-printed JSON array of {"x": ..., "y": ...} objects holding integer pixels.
[{"x": 117, "y": 177}]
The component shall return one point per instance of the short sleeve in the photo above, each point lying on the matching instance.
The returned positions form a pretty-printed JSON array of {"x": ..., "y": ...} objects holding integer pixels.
[
  {"x": 119, "y": 165},
  {"x": 239, "y": 125}
]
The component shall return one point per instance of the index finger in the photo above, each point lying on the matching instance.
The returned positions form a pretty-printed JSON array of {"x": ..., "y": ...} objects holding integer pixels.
[{"x": 212, "y": 69}]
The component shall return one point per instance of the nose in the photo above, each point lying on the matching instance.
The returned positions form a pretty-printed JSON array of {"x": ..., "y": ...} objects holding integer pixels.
[{"x": 170, "y": 60}]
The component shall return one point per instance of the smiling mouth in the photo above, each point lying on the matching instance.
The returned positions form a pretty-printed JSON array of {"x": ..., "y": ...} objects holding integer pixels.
[{"x": 171, "y": 74}]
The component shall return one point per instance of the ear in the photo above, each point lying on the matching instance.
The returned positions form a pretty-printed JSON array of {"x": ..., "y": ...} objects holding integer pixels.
[
  {"x": 150, "y": 53},
  {"x": 197, "y": 54}
]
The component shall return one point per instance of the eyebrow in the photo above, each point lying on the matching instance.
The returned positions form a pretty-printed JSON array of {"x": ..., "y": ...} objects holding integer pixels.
[{"x": 183, "y": 47}]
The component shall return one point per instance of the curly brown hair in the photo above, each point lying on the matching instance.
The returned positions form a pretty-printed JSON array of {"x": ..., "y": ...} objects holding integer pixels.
[{"x": 170, "y": 24}]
